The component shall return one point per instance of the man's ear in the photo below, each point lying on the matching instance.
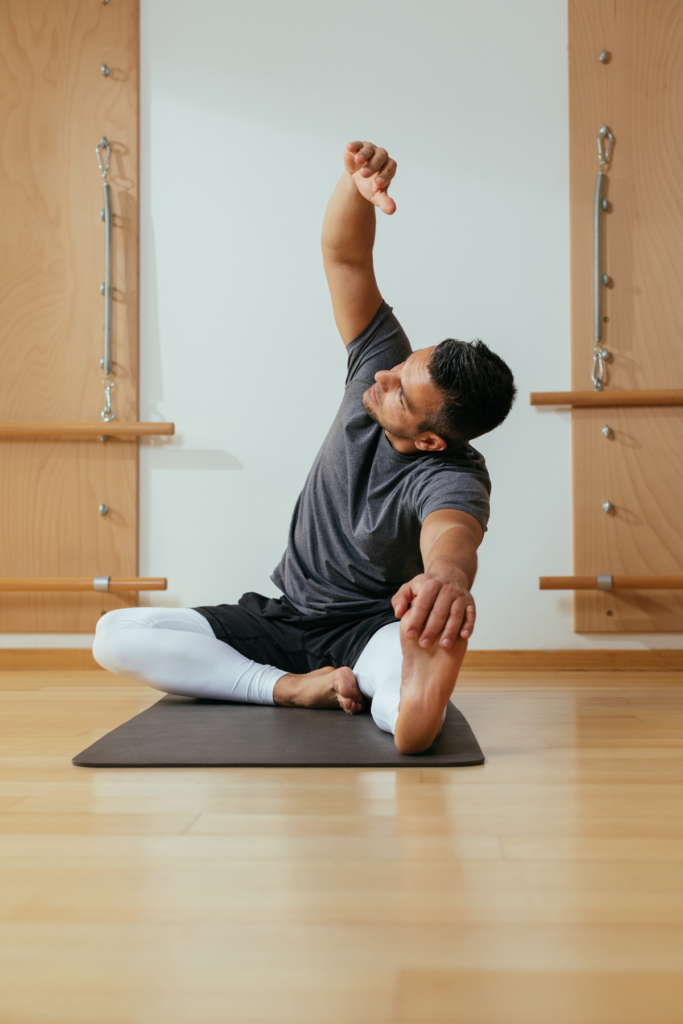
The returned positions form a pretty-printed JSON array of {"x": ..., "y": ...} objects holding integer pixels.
[{"x": 430, "y": 442}]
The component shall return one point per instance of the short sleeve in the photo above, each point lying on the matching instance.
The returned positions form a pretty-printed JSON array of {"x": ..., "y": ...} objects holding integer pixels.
[
  {"x": 445, "y": 486},
  {"x": 382, "y": 345}
]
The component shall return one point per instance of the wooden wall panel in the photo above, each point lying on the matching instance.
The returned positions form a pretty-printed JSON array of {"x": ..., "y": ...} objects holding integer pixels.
[
  {"x": 55, "y": 104},
  {"x": 640, "y": 470},
  {"x": 639, "y": 95},
  {"x": 53, "y": 490}
]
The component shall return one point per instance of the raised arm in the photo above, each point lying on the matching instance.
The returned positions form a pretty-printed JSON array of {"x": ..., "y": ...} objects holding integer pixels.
[
  {"x": 349, "y": 235},
  {"x": 440, "y": 601}
]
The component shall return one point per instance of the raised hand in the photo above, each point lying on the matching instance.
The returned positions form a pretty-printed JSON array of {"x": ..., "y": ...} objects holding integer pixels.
[{"x": 372, "y": 169}]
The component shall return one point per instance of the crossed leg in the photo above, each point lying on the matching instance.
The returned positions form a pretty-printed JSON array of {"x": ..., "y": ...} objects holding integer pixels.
[{"x": 175, "y": 650}]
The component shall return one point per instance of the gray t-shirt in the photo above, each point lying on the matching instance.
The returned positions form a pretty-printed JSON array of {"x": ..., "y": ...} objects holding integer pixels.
[{"x": 355, "y": 533}]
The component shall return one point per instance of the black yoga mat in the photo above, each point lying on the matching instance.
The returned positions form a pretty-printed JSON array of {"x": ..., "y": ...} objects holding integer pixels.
[{"x": 180, "y": 732}]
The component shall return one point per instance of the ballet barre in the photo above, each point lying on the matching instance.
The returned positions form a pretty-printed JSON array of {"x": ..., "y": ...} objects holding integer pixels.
[
  {"x": 100, "y": 584},
  {"x": 44, "y": 429},
  {"x": 609, "y": 583},
  {"x": 604, "y": 399}
]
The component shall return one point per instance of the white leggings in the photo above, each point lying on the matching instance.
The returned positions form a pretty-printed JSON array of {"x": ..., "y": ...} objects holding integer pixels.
[{"x": 175, "y": 650}]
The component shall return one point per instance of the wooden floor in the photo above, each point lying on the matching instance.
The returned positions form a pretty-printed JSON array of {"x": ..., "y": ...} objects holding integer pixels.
[{"x": 545, "y": 887}]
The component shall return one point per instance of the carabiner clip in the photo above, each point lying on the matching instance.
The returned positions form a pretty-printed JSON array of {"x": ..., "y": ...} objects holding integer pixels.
[
  {"x": 108, "y": 413},
  {"x": 600, "y": 357},
  {"x": 604, "y": 136},
  {"x": 103, "y": 144}
]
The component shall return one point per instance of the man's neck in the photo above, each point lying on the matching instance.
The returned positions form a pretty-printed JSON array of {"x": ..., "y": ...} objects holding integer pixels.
[{"x": 402, "y": 445}]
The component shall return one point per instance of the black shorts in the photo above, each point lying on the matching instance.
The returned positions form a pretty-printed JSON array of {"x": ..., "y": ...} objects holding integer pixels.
[{"x": 272, "y": 632}]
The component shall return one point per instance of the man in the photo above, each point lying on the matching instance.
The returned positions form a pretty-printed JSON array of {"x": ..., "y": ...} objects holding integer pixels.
[{"x": 386, "y": 528}]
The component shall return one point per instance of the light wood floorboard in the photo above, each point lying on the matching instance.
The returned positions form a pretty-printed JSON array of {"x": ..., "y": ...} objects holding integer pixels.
[{"x": 546, "y": 885}]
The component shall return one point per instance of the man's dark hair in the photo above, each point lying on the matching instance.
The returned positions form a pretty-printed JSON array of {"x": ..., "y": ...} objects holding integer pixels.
[{"x": 478, "y": 389}]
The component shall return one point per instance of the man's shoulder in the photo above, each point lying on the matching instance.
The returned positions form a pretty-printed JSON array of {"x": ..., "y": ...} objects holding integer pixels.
[
  {"x": 380, "y": 346},
  {"x": 459, "y": 480},
  {"x": 461, "y": 459},
  {"x": 459, "y": 472},
  {"x": 351, "y": 425}
]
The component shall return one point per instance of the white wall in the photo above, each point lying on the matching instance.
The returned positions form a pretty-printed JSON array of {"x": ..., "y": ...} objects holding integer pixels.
[{"x": 246, "y": 107}]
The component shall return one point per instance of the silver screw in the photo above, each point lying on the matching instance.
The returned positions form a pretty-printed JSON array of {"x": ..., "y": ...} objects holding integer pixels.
[
  {"x": 103, "y": 510},
  {"x": 102, "y": 293},
  {"x": 607, "y": 280},
  {"x": 102, "y": 214},
  {"x": 105, "y": 70},
  {"x": 603, "y": 58},
  {"x": 607, "y": 431},
  {"x": 608, "y": 506},
  {"x": 605, "y": 205}
]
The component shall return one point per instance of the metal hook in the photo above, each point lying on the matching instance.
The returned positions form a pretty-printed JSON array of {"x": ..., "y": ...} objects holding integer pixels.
[
  {"x": 103, "y": 144},
  {"x": 108, "y": 413},
  {"x": 600, "y": 357},
  {"x": 604, "y": 135}
]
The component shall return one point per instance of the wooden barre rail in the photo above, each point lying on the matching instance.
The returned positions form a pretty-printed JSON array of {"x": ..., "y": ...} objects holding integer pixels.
[
  {"x": 605, "y": 399},
  {"x": 608, "y": 583},
  {"x": 48, "y": 428},
  {"x": 107, "y": 584}
]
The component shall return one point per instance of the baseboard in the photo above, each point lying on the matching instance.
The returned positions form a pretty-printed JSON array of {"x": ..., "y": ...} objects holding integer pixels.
[
  {"x": 72, "y": 659},
  {"x": 68, "y": 659},
  {"x": 576, "y": 661}
]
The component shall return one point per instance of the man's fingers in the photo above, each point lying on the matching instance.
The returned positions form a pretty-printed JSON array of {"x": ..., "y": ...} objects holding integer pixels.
[
  {"x": 378, "y": 159},
  {"x": 460, "y": 623},
  {"x": 386, "y": 173},
  {"x": 438, "y": 616},
  {"x": 365, "y": 151},
  {"x": 468, "y": 624},
  {"x": 373, "y": 160},
  {"x": 357, "y": 156},
  {"x": 452, "y": 627},
  {"x": 378, "y": 164},
  {"x": 421, "y": 607},
  {"x": 401, "y": 600},
  {"x": 355, "y": 147}
]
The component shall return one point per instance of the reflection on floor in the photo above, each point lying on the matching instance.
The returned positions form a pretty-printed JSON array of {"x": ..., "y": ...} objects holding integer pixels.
[{"x": 545, "y": 886}]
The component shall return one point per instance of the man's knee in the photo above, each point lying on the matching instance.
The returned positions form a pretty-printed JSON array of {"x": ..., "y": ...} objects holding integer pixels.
[{"x": 111, "y": 648}]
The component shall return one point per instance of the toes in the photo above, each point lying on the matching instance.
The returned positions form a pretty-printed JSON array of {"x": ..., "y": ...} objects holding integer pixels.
[
  {"x": 346, "y": 686},
  {"x": 351, "y": 707}
]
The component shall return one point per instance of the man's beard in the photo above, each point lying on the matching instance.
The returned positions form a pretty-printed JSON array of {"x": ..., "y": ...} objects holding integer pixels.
[
  {"x": 367, "y": 405},
  {"x": 374, "y": 415}
]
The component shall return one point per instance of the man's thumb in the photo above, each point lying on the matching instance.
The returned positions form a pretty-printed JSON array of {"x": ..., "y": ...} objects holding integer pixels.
[{"x": 385, "y": 203}]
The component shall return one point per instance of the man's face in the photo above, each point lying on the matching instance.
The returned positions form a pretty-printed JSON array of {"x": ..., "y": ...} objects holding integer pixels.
[{"x": 402, "y": 398}]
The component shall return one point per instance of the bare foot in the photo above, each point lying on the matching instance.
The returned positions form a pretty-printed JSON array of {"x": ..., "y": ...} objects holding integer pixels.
[
  {"x": 428, "y": 679},
  {"x": 325, "y": 688}
]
